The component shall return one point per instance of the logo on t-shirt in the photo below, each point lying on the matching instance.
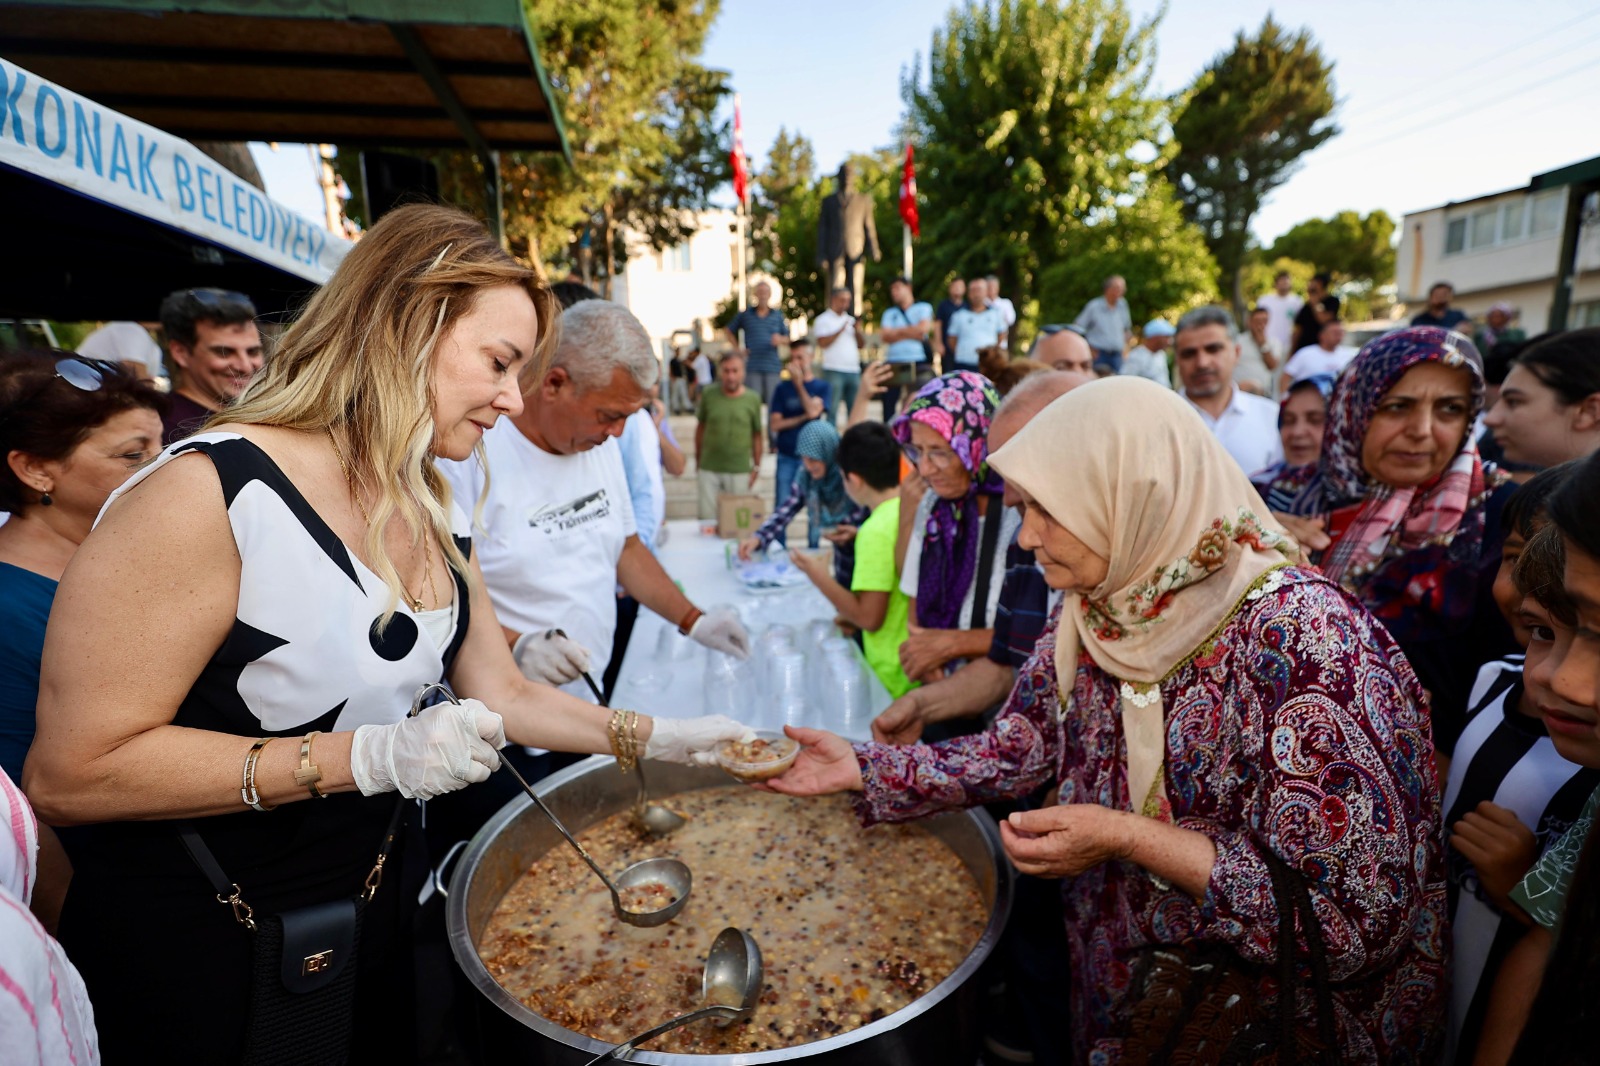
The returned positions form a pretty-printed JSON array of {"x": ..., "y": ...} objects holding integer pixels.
[{"x": 560, "y": 518}]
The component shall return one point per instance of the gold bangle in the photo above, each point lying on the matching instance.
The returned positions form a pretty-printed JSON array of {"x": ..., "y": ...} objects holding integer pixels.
[
  {"x": 309, "y": 772},
  {"x": 248, "y": 792},
  {"x": 633, "y": 738},
  {"x": 614, "y": 735}
]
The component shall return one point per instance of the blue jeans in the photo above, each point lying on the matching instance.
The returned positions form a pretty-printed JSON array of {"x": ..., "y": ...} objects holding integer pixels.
[
  {"x": 843, "y": 385},
  {"x": 1112, "y": 357},
  {"x": 789, "y": 467}
]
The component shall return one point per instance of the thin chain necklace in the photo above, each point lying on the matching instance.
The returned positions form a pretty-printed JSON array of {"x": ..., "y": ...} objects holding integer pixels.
[{"x": 427, "y": 552}]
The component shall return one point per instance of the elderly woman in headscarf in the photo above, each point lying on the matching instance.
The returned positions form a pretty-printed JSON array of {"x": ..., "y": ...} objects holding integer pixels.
[
  {"x": 954, "y": 529},
  {"x": 819, "y": 488},
  {"x": 1218, "y": 721},
  {"x": 1401, "y": 511}
]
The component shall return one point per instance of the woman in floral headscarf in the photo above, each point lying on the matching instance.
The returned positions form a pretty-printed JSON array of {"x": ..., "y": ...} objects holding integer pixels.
[
  {"x": 1201, "y": 704},
  {"x": 957, "y": 532},
  {"x": 1401, "y": 511}
]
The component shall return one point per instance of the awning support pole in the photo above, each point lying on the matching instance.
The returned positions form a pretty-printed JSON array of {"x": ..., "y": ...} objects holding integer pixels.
[{"x": 425, "y": 65}]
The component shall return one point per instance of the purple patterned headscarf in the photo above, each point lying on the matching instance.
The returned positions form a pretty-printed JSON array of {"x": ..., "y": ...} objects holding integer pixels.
[{"x": 958, "y": 407}]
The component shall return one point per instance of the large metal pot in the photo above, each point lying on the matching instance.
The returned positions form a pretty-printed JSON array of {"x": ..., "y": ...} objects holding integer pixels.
[{"x": 941, "y": 1027}]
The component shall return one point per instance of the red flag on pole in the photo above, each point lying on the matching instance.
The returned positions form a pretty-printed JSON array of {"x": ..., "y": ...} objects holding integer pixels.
[
  {"x": 741, "y": 173},
  {"x": 908, "y": 196}
]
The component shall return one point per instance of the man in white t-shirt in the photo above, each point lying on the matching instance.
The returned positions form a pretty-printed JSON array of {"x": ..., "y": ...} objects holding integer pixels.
[
  {"x": 1007, "y": 309},
  {"x": 558, "y": 532},
  {"x": 840, "y": 337},
  {"x": 1330, "y": 355},
  {"x": 1282, "y": 305},
  {"x": 1207, "y": 349}
]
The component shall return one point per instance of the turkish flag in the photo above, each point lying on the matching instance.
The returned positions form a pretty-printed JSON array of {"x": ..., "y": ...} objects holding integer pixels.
[
  {"x": 741, "y": 173},
  {"x": 908, "y": 196}
]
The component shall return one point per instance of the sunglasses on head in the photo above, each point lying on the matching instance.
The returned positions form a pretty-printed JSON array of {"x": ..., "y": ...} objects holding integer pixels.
[
  {"x": 216, "y": 297},
  {"x": 79, "y": 371},
  {"x": 1061, "y": 327}
]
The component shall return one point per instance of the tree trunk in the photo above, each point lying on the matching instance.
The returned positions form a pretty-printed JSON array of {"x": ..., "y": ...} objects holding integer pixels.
[{"x": 611, "y": 258}]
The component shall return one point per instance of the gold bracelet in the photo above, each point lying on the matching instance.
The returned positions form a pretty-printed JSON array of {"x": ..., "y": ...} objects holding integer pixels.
[
  {"x": 248, "y": 792},
  {"x": 633, "y": 739},
  {"x": 614, "y": 735},
  {"x": 309, "y": 773}
]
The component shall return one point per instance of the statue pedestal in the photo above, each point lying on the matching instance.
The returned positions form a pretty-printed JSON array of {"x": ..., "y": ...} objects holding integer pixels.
[{"x": 843, "y": 274}]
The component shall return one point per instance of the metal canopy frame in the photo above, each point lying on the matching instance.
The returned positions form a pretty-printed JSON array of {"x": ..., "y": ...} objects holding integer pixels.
[{"x": 364, "y": 73}]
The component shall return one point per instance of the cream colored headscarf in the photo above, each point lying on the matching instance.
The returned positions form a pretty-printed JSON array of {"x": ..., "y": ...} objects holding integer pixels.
[{"x": 1129, "y": 469}]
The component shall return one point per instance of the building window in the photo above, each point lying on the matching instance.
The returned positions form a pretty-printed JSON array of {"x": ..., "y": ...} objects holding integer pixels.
[
  {"x": 1583, "y": 315},
  {"x": 1455, "y": 236},
  {"x": 1547, "y": 208},
  {"x": 1513, "y": 215},
  {"x": 677, "y": 258},
  {"x": 1485, "y": 222}
]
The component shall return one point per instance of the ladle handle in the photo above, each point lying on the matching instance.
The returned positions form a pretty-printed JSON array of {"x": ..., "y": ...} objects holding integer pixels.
[
  {"x": 665, "y": 1027},
  {"x": 505, "y": 763}
]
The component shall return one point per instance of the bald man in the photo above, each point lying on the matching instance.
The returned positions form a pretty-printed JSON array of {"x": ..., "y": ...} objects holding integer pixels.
[
  {"x": 1025, "y": 600},
  {"x": 1065, "y": 349}
]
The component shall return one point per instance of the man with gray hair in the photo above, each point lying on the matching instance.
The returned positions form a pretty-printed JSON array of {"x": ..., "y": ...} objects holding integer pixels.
[
  {"x": 1207, "y": 350},
  {"x": 561, "y": 529}
]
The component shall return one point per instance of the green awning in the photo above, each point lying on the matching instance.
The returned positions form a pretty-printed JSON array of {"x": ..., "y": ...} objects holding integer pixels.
[{"x": 390, "y": 73}]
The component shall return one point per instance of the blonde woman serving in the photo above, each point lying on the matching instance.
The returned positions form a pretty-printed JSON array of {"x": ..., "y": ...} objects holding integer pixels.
[{"x": 306, "y": 572}]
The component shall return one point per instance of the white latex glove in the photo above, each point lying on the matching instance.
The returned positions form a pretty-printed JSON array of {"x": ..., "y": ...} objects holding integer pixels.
[
  {"x": 446, "y": 747},
  {"x": 721, "y": 632},
  {"x": 550, "y": 657},
  {"x": 692, "y": 740}
]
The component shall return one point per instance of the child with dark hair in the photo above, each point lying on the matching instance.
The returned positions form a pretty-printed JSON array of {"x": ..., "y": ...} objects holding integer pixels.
[
  {"x": 1571, "y": 714},
  {"x": 869, "y": 459},
  {"x": 1518, "y": 779}
]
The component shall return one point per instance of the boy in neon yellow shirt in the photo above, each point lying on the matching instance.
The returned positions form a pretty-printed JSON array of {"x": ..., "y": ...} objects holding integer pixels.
[{"x": 869, "y": 458}]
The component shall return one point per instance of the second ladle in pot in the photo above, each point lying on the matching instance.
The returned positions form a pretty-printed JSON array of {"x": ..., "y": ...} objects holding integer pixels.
[
  {"x": 729, "y": 987},
  {"x": 638, "y": 892}
]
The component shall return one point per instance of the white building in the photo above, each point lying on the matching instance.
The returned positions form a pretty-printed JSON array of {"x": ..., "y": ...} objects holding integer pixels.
[
  {"x": 669, "y": 291},
  {"x": 1505, "y": 246}
]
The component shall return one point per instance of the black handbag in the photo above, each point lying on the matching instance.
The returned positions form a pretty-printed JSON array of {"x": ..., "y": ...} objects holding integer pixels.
[
  {"x": 1201, "y": 1004},
  {"x": 303, "y": 963}
]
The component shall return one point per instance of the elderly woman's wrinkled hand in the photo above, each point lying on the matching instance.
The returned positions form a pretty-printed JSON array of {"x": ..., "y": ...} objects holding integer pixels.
[
  {"x": 1067, "y": 840},
  {"x": 826, "y": 764}
]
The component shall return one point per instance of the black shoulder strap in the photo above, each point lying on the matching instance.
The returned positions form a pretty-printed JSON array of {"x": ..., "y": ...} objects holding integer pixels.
[
  {"x": 203, "y": 858},
  {"x": 990, "y": 540}
]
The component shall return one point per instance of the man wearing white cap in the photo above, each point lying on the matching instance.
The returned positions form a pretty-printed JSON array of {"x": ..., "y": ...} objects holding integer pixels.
[{"x": 1148, "y": 358}]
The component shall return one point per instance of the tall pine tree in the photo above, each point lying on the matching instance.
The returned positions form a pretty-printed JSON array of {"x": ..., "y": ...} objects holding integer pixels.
[{"x": 1250, "y": 117}]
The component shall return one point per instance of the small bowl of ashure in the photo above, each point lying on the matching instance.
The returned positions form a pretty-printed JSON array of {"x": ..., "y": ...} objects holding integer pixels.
[{"x": 761, "y": 759}]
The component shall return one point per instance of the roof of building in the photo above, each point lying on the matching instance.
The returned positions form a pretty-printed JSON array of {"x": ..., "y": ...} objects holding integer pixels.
[
  {"x": 1571, "y": 174},
  {"x": 395, "y": 73}
]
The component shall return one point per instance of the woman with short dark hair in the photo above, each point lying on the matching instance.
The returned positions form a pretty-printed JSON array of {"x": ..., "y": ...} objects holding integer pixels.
[
  {"x": 1548, "y": 410},
  {"x": 71, "y": 430}
]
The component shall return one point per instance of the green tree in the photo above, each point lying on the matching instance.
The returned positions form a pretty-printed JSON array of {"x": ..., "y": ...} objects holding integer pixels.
[
  {"x": 1164, "y": 260},
  {"x": 1249, "y": 118},
  {"x": 638, "y": 113},
  {"x": 1351, "y": 246},
  {"x": 1032, "y": 122}
]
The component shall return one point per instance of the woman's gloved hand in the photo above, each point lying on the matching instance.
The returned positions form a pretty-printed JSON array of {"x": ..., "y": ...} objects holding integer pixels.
[
  {"x": 550, "y": 657},
  {"x": 692, "y": 741},
  {"x": 446, "y": 747},
  {"x": 721, "y": 631}
]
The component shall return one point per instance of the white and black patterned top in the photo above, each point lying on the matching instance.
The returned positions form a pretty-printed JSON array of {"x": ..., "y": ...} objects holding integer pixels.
[
  {"x": 1505, "y": 757},
  {"x": 304, "y": 653}
]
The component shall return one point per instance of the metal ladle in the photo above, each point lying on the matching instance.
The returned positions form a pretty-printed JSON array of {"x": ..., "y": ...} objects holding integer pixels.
[
  {"x": 669, "y": 873},
  {"x": 729, "y": 986},
  {"x": 656, "y": 819}
]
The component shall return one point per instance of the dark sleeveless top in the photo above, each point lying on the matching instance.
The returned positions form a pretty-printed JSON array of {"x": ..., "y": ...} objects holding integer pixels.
[{"x": 304, "y": 653}]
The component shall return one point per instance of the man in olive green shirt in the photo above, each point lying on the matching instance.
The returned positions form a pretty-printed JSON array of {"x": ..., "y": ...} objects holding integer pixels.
[{"x": 727, "y": 441}]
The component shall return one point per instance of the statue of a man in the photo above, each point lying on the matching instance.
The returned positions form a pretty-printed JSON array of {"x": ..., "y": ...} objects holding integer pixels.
[{"x": 846, "y": 232}]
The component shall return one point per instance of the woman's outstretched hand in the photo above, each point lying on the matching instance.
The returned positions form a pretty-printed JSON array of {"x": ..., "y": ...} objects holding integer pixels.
[{"x": 826, "y": 764}]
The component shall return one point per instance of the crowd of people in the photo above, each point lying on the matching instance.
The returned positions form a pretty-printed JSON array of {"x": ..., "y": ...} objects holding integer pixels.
[{"x": 1275, "y": 658}]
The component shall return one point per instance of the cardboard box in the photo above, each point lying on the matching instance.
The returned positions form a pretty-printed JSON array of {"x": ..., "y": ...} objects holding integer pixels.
[{"x": 739, "y": 514}]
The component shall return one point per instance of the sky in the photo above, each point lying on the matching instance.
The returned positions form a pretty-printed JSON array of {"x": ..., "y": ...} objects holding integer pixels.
[{"x": 1439, "y": 101}]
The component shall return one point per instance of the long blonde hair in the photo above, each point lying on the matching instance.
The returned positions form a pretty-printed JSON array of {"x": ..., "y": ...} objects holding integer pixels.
[{"x": 360, "y": 355}]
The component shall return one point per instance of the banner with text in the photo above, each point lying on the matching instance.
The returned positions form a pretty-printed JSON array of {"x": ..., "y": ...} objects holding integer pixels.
[{"x": 53, "y": 133}]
